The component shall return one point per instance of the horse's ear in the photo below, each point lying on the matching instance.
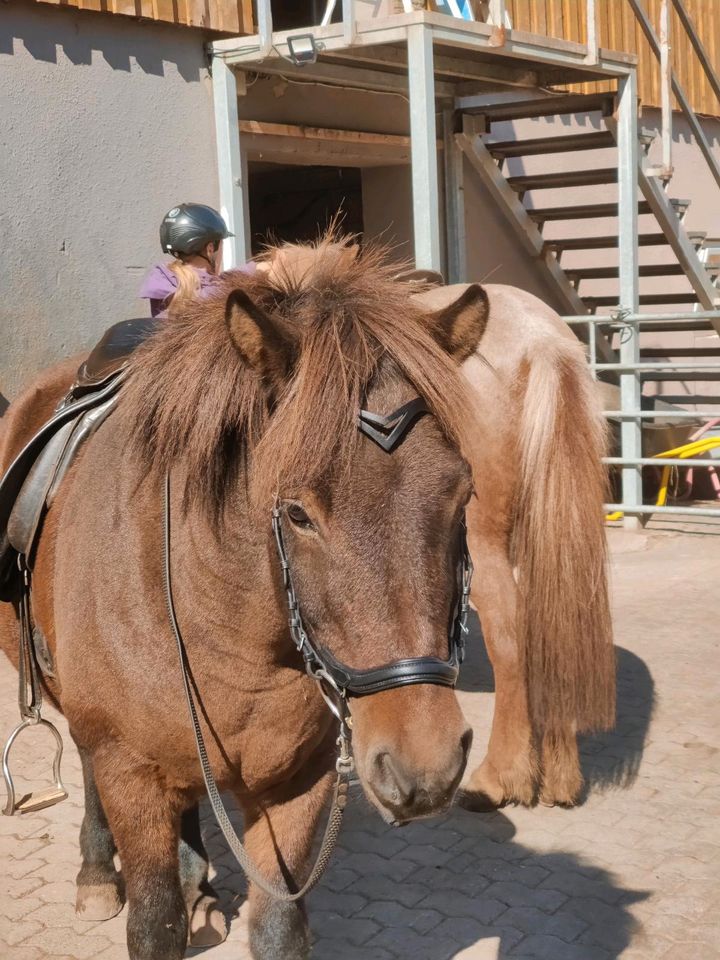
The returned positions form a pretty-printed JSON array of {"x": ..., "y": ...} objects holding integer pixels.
[
  {"x": 259, "y": 339},
  {"x": 456, "y": 317}
]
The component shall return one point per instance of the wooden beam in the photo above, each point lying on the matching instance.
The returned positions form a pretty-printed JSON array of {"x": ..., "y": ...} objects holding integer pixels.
[
  {"x": 293, "y": 143},
  {"x": 323, "y": 133},
  {"x": 453, "y": 68}
]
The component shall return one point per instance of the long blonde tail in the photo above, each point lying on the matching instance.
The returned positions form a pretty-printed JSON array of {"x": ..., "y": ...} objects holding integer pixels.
[{"x": 559, "y": 546}]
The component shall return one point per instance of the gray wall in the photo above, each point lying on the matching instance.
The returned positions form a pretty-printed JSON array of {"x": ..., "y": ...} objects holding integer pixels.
[{"x": 105, "y": 124}]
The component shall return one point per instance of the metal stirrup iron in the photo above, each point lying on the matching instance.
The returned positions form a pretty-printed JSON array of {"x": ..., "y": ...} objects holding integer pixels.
[{"x": 30, "y": 704}]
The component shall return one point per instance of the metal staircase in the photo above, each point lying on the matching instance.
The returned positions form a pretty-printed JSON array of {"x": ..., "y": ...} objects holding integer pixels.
[
  {"x": 577, "y": 223},
  {"x": 543, "y": 227}
]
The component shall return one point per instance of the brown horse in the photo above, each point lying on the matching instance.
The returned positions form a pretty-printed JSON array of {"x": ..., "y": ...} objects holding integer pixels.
[{"x": 254, "y": 394}]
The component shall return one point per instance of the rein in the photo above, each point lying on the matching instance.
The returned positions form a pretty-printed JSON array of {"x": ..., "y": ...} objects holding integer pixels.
[
  {"x": 335, "y": 680},
  {"x": 344, "y": 763}
]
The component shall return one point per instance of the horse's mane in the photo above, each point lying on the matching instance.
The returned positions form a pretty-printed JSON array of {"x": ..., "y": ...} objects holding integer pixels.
[{"x": 197, "y": 404}]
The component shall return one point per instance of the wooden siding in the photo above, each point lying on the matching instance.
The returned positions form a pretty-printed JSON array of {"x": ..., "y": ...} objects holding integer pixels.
[
  {"x": 619, "y": 30},
  {"x": 223, "y": 16}
]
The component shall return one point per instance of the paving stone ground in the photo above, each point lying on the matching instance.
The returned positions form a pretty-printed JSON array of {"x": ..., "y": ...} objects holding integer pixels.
[{"x": 633, "y": 873}]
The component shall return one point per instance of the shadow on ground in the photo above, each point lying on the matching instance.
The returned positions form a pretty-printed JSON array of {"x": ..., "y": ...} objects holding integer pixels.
[
  {"x": 436, "y": 888},
  {"x": 610, "y": 759},
  {"x": 433, "y": 889}
]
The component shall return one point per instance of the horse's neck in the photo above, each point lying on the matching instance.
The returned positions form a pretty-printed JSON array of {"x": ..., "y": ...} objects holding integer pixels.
[{"x": 225, "y": 580}]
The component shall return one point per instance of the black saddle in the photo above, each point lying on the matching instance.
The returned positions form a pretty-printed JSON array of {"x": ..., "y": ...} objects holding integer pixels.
[{"x": 30, "y": 483}]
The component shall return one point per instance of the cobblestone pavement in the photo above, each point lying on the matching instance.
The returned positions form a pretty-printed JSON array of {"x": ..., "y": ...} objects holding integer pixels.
[{"x": 634, "y": 872}]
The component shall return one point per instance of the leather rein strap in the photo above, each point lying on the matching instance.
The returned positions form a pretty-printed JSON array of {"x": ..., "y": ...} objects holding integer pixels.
[
  {"x": 344, "y": 763},
  {"x": 335, "y": 679}
]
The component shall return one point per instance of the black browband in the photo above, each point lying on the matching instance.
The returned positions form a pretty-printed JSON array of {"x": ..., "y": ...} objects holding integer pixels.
[
  {"x": 319, "y": 662},
  {"x": 388, "y": 431}
]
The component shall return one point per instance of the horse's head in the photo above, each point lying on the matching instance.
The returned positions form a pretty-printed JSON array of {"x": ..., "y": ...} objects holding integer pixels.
[{"x": 374, "y": 538}]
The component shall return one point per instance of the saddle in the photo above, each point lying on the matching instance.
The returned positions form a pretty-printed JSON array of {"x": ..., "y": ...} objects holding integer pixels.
[{"x": 32, "y": 480}]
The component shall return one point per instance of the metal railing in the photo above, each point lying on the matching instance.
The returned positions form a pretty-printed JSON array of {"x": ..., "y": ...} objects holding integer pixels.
[
  {"x": 669, "y": 83},
  {"x": 630, "y": 325}
]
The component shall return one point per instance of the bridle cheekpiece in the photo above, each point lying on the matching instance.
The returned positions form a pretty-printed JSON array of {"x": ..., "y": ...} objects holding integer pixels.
[{"x": 338, "y": 681}]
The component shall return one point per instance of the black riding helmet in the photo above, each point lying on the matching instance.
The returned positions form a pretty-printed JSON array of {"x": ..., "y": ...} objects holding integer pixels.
[{"x": 189, "y": 227}]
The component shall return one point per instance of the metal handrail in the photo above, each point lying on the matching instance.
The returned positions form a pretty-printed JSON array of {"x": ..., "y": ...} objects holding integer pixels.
[
  {"x": 646, "y": 509},
  {"x": 702, "y": 54},
  {"x": 690, "y": 115},
  {"x": 661, "y": 462}
]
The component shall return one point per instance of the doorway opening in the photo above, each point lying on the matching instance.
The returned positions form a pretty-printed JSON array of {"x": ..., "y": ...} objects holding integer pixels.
[{"x": 294, "y": 204}]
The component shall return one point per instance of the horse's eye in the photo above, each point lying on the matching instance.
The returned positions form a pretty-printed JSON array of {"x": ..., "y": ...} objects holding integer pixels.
[{"x": 298, "y": 517}]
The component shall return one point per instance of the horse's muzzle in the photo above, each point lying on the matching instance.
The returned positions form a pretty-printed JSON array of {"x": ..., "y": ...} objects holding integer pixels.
[{"x": 402, "y": 792}]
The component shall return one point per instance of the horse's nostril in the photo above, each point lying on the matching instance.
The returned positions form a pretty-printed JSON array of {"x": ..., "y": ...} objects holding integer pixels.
[
  {"x": 466, "y": 741},
  {"x": 389, "y": 783}
]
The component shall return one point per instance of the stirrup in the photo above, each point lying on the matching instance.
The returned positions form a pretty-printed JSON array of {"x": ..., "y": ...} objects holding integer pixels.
[{"x": 40, "y": 799}]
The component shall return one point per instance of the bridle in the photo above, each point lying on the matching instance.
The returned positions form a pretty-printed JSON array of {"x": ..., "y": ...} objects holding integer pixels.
[{"x": 336, "y": 681}]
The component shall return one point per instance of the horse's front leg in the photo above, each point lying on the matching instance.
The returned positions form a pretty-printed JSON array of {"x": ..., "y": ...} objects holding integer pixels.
[
  {"x": 100, "y": 888},
  {"x": 509, "y": 771},
  {"x": 279, "y": 836},
  {"x": 207, "y": 924},
  {"x": 144, "y": 816}
]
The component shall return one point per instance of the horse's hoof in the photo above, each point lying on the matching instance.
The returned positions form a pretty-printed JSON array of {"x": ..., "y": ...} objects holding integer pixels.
[
  {"x": 98, "y": 901},
  {"x": 563, "y": 790},
  {"x": 483, "y": 791},
  {"x": 208, "y": 926},
  {"x": 478, "y": 801},
  {"x": 565, "y": 796}
]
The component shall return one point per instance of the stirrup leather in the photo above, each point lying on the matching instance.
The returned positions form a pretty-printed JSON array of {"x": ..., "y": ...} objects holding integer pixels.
[{"x": 38, "y": 799}]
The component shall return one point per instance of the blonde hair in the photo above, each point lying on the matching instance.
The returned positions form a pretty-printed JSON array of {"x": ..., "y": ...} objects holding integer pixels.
[{"x": 188, "y": 281}]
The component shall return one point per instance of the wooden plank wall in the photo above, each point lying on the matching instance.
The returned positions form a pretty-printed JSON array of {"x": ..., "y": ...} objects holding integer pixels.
[
  {"x": 619, "y": 30},
  {"x": 223, "y": 16}
]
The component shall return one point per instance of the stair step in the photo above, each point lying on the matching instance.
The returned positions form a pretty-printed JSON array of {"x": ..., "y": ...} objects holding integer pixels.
[
  {"x": 676, "y": 326},
  {"x": 502, "y": 149},
  {"x": 646, "y": 299},
  {"x": 680, "y": 376},
  {"x": 546, "y": 107},
  {"x": 607, "y": 273},
  {"x": 661, "y": 353},
  {"x": 569, "y": 178},
  {"x": 599, "y": 243},
  {"x": 588, "y": 211},
  {"x": 532, "y": 148},
  {"x": 585, "y": 211}
]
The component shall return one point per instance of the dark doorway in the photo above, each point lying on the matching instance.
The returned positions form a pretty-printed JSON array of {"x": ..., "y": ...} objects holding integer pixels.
[{"x": 294, "y": 204}]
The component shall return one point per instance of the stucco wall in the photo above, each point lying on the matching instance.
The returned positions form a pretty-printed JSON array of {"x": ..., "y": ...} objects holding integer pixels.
[{"x": 105, "y": 123}]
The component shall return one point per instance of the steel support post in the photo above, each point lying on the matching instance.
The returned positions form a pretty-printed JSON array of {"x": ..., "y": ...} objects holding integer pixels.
[
  {"x": 630, "y": 382},
  {"x": 454, "y": 159},
  {"x": 593, "y": 38},
  {"x": 349, "y": 24},
  {"x": 666, "y": 89},
  {"x": 265, "y": 28},
  {"x": 423, "y": 148},
  {"x": 232, "y": 165}
]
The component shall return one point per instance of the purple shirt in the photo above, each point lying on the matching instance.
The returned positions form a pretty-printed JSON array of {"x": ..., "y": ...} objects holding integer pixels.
[{"x": 161, "y": 284}]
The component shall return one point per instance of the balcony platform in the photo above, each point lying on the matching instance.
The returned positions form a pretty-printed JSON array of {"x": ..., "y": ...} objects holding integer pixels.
[
  {"x": 440, "y": 64},
  {"x": 373, "y": 54}
]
